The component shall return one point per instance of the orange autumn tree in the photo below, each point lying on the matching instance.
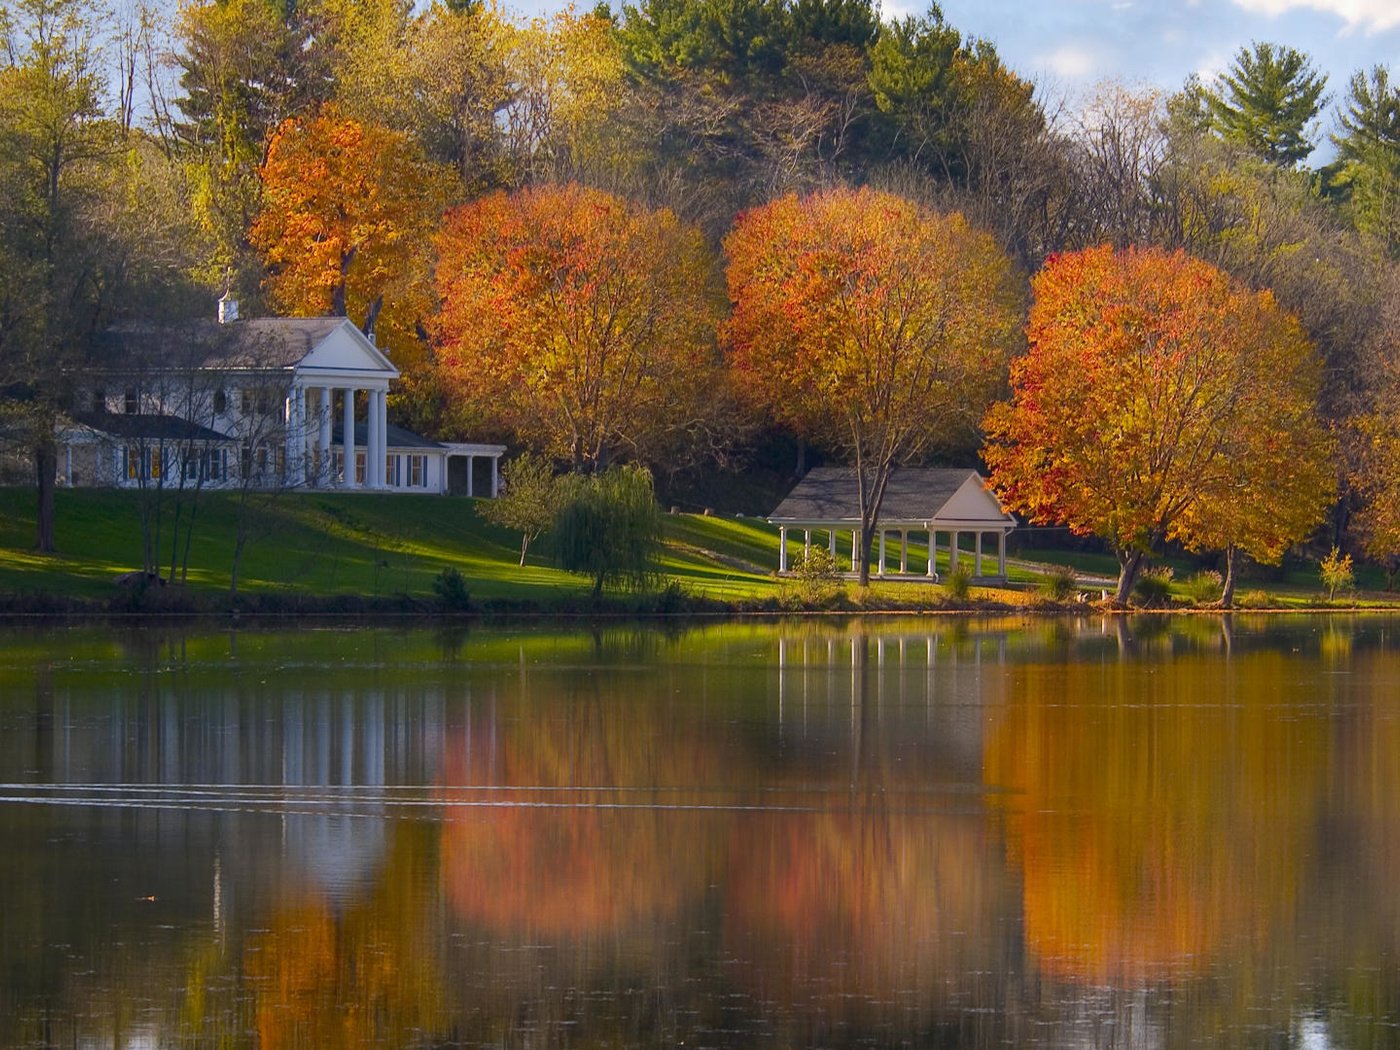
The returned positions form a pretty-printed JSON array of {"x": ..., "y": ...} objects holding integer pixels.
[
  {"x": 348, "y": 211},
  {"x": 870, "y": 325},
  {"x": 1161, "y": 400},
  {"x": 579, "y": 321}
]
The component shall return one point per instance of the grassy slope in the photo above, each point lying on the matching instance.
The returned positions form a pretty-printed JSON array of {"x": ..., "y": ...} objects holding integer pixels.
[
  {"x": 330, "y": 543},
  {"x": 342, "y": 543}
]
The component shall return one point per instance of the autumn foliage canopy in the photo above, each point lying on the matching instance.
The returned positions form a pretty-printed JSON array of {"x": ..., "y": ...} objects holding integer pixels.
[
  {"x": 1162, "y": 400},
  {"x": 579, "y": 321}
]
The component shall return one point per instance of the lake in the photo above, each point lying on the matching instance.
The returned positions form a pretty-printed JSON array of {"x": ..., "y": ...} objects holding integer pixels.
[{"x": 1087, "y": 832}]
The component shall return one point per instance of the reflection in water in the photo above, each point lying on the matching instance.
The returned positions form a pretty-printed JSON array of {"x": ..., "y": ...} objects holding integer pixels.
[{"x": 1116, "y": 832}]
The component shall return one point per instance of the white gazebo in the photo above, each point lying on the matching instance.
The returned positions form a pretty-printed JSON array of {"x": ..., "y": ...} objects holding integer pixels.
[{"x": 934, "y": 501}]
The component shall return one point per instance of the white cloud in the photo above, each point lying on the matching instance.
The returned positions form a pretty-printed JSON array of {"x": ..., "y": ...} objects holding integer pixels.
[
  {"x": 1371, "y": 15},
  {"x": 1070, "y": 62}
]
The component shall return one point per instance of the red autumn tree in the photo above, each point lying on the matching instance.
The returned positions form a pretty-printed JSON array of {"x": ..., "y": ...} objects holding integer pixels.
[
  {"x": 1161, "y": 400},
  {"x": 348, "y": 211},
  {"x": 579, "y": 321},
  {"x": 870, "y": 325}
]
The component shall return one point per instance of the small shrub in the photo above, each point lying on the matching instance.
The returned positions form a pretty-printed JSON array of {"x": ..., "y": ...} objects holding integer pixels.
[
  {"x": 1204, "y": 587},
  {"x": 1060, "y": 584},
  {"x": 451, "y": 589},
  {"x": 815, "y": 578},
  {"x": 1337, "y": 573},
  {"x": 1154, "y": 587},
  {"x": 1255, "y": 600},
  {"x": 958, "y": 583}
]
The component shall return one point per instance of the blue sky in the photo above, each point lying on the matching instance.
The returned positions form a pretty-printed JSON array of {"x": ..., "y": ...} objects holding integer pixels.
[{"x": 1067, "y": 46}]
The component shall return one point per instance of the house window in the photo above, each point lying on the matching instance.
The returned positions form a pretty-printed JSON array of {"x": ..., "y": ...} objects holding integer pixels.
[
  {"x": 359, "y": 468},
  {"x": 220, "y": 402},
  {"x": 391, "y": 471},
  {"x": 130, "y": 404},
  {"x": 205, "y": 465},
  {"x": 418, "y": 472},
  {"x": 99, "y": 400}
]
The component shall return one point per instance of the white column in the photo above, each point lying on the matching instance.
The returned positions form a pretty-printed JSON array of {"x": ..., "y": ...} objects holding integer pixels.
[
  {"x": 933, "y": 554},
  {"x": 68, "y": 465},
  {"x": 782, "y": 548},
  {"x": 903, "y": 551},
  {"x": 299, "y": 438},
  {"x": 855, "y": 550},
  {"x": 323, "y": 437},
  {"x": 831, "y": 546},
  {"x": 1001, "y": 554},
  {"x": 495, "y": 476},
  {"x": 471, "y": 469},
  {"x": 977, "y": 553},
  {"x": 381, "y": 401},
  {"x": 374, "y": 453},
  {"x": 347, "y": 442},
  {"x": 953, "y": 551},
  {"x": 881, "y": 570},
  {"x": 807, "y": 543}
]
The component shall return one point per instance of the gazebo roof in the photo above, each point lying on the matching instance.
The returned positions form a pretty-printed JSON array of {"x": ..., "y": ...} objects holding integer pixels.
[{"x": 914, "y": 496}]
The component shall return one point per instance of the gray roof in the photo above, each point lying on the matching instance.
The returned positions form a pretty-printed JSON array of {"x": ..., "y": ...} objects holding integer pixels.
[
  {"x": 261, "y": 343},
  {"x": 914, "y": 494},
  {"x": 397, "y": 437},
  {"x": 148, "y": 427}
]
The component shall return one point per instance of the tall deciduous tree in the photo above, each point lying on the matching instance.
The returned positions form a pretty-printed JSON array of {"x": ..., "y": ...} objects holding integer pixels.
[
  {"x": 54, "y": 138},
  {"x": 1267, "y": 101},
  {"x": 582, "y": 323},
  {"x": 1160, "y": 399},
  {"x": 348, "y": 212},
  {"x": 870, "y": 325}
]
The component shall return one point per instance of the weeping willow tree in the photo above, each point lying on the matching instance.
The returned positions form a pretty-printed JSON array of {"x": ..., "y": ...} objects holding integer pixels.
[{"x": 609, "y": 527}]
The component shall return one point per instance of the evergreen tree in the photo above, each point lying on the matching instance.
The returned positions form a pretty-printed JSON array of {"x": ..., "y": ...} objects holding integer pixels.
[
  {"x": 1267, "y": 101},
  {"x": 1368, "y": 150}
]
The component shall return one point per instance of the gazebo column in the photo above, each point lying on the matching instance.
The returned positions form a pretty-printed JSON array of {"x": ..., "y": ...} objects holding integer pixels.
[
  {"x": 347, "y": 442},
  {"x": 881, "y": 571},
  {"x": 903, "y": 551},
  {"x": 495, "y": 476},
  {"x": 952, "y": 550},
  {"x": 1001, "y": 554},
  {"x": 782, "y": 548},
  {"x": 831, "y": 545},
  {"x": 933, "y": 554},
  {"x": 855, "y": 549},
  {"x": 806, "y": 544},
  {"x": 977, "y": 553}
]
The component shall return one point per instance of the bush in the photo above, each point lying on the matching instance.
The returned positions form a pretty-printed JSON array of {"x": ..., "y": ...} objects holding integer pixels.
[
  {"x": 1060, "y": 584},
  {"x": 1204, "y": 587},
  {"x": 815, "y": 577},
  {"x": 1154, "y": 588},
  {"x": 1337, "y": 573},
  {"x": 451, "y": 589},
  {"x": 959, "y": 583},
  {"x": 1255, "y": 600}
]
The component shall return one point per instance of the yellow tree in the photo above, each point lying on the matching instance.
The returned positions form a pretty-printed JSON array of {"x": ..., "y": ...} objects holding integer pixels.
[
  {"x": 1375, "y": 470},
  {"x": 581, "y": 322},
  {"x": 869, "y": 324},
  {"x": 1161, "y": 400},
  {"x": 348, "y": 212}
]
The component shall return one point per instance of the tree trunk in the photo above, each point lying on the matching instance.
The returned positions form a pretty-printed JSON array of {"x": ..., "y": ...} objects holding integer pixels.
[
  {"x": 1130, "y": 564},
  {"x": 1227, "y": 592},
  {"x": 45, "y": 477},
  {"x": 867, "y": 535},
  {"x": 524, "y": 546}
]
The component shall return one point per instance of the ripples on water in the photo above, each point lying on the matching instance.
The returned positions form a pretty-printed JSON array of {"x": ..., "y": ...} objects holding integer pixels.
[{"x": 951, "y": 833}]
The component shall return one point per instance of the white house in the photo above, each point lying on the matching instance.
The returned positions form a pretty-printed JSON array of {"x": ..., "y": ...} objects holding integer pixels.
[
  {"x": 928, "y": 500},
  {"x": 275, "y": 401}
]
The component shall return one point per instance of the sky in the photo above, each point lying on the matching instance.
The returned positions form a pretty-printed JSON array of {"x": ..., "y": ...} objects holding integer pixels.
[{"x": 1067, "y": 46}]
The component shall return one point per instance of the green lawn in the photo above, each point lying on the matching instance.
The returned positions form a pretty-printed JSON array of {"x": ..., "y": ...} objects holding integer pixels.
[
  {"x": 342, "y": 543},
  {"x": 386, "y": 545}
]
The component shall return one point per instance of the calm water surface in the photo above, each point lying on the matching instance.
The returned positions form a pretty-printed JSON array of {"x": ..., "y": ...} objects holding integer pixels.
[{"x": 946, "y": 833}]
